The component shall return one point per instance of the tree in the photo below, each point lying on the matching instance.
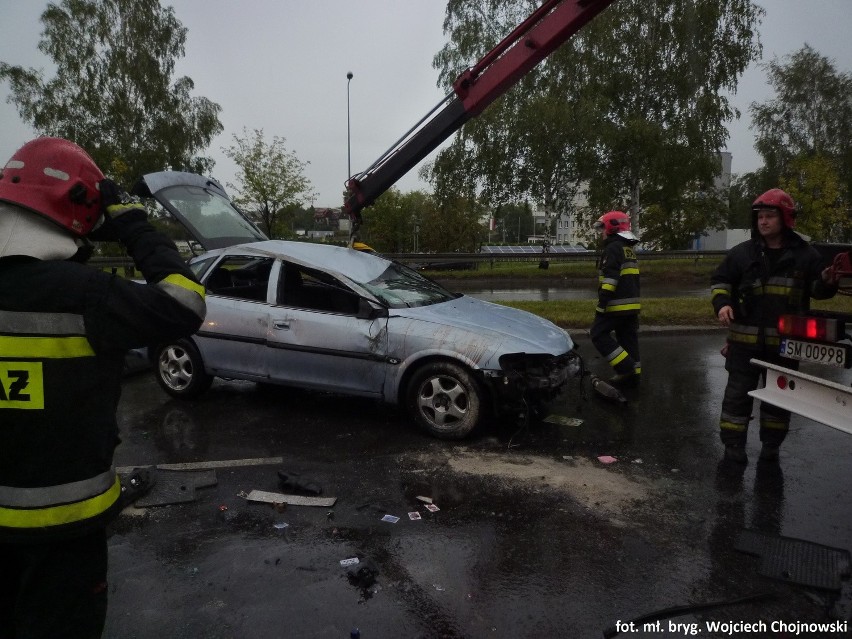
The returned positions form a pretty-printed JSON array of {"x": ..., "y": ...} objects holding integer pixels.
[
  {"x": 805, "y": 139},
  {"x": 815, "y": 187},
  {"x": 515, "y": 222},
  {"x": 113, "y": 92},
  {"x": 272, "y": 184},
  {"x": 453, "y": 225},
  {"x": 672, "y": 224},
  {"x": 631, "y": 105},
  {"x": 810, "y": 114},
  {"x": 393, "y": 222}
]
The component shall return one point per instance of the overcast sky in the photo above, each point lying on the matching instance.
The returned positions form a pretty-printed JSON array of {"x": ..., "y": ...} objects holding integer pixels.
[{"x": 281, "y": 65}]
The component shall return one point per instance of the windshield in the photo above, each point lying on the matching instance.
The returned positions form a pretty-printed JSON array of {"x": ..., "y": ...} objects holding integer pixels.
[
  {"x": 213, "y": 219},
  {"x": 399, "y": 287}
]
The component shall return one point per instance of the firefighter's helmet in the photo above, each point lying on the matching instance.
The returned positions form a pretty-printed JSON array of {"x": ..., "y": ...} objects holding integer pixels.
[
  {"x": 776, "y": 199},
  {"x": 613, "y": 222},
  {"x": 56, "y": 179}
]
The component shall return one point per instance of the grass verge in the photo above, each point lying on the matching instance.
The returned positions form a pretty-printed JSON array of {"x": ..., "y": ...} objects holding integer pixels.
[{"x": 663, "y": 311}]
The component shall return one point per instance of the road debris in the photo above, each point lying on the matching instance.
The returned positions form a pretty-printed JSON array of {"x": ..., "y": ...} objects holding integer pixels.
[
  {"x": 292, "y": 500},
  {"x": 563, "y": 420}
]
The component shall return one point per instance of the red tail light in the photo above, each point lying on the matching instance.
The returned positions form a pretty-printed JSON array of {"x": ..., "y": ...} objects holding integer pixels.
[{"x": 816, "y": 328}]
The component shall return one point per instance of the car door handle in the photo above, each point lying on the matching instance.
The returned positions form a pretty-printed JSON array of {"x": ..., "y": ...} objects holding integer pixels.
[{"x": 281, "y": 324}]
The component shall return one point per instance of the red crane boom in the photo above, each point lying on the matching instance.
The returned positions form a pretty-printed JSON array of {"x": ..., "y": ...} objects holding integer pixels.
[{"x": 537, "y": 37}]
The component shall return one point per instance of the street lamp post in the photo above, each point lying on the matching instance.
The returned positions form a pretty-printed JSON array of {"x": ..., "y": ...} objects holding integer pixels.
[{"x": 348, "y": 130}]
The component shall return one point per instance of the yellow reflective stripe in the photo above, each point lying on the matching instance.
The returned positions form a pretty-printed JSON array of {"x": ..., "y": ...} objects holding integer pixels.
[
  {"x": 45, "y": 347},
  {"x": 719, "y": 291},
  {"x": 778, "y": 290},
  {"x": 743, "y": 328},
  {"x": 742, "y": 338},
  {"x": 184, "y": 282},
  {"x": 618, "y": 358},
  {"x": 58, "y": 515},
  {"x": 608, "y": 287},
  {"x": 630, "y": 271},
  {"x": 773, "y": 424},
  {"x": 623, "y": 307},
  {"x": 726, "y": 425},
  {"x": 186, "y": 292}
]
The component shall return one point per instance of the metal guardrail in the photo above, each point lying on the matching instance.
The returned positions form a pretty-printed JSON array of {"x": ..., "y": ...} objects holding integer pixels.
[{"x": 465, "y": 260}]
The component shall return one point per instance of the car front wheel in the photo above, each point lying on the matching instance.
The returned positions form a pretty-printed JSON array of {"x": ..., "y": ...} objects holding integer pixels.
[
  {"x": 445, "y": 400},
  {"x": 180, "y": 369}
]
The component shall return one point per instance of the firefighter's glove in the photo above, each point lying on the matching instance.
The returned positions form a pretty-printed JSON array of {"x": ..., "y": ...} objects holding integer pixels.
[{"x": 121, "y": 214}]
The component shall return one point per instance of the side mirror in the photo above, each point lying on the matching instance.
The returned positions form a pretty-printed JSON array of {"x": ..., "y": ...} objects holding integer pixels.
[{"x": 368, "y": 310}]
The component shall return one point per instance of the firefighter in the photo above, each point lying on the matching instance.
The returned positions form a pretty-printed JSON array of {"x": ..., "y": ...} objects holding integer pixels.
[
  {"x": 773, "y": 273},
  {"x": 64, "y": 331},
  {"x": 618, "y": 307}
]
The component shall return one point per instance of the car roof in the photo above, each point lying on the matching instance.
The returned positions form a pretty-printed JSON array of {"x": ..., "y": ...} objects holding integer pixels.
[{"x": 347, "y": 263}]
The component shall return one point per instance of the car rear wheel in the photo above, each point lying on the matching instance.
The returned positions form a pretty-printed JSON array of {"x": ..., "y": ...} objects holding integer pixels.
[
  {"x": 180, "y": 369},
  {"x": 445, "y": 400}
]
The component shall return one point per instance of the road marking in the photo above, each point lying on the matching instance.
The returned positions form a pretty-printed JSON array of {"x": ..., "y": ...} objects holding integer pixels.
[{"x": 225, "y": 463}]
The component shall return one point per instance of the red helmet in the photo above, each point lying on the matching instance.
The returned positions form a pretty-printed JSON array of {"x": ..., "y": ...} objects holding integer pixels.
[
  {"x": 777, "y": 199},
  {"x": 56, "y": 179},
  {"x": 613, "y": 222}
]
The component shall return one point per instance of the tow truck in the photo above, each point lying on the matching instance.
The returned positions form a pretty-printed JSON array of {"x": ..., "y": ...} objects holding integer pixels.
[{"x": 821, "y": 338}]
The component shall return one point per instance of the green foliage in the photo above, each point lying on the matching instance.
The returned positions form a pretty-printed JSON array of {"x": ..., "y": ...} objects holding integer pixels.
[
  {"x": 678, "y": 219},
  {"x": 805, "y": 139},
  {"x": 815, "y": 187},
  {"x": 514, "y": 223},
  {"x": 389, "y": 224},
  {"x": 271, "y": 180},
  {"x": 455, "y": 224},
  {"x": 811, "y": 114},
  {"x": 634, "y": 103},
  {"x": 113, "y": 92}
]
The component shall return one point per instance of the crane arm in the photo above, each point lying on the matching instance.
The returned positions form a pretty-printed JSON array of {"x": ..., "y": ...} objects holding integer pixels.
[{"x": 552, "y": 24}]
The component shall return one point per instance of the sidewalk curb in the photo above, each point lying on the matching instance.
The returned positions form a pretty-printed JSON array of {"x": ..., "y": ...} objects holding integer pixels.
[{"x": 668, "y": 330}]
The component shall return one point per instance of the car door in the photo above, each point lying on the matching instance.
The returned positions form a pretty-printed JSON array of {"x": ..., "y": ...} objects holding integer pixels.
[
  {"x": 232, "y": 339},
  {"x": 321, "y": 337}
]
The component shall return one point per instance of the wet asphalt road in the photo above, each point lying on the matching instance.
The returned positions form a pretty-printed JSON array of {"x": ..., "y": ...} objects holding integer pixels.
[{"x": 534, "y": 537}]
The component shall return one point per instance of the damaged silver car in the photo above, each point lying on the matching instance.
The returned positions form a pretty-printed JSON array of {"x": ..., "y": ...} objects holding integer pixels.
[{"x": 350, "y": 322}]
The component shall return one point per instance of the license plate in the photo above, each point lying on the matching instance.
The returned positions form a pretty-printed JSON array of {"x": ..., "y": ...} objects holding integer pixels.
[{"x": 831, "y": 355}]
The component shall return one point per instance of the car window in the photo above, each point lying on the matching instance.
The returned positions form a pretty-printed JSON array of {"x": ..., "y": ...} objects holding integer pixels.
[
  {"x": 302, "y": 287},
  {"x": 399, "y": 286},
  {"x": 243, "y": 277},
  {"x": 200, "y": 266},
  {"x": 209, "y": 216}
]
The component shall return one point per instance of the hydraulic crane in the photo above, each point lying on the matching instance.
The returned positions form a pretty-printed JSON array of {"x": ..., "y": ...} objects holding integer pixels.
[{"x": 551, "y": 25}]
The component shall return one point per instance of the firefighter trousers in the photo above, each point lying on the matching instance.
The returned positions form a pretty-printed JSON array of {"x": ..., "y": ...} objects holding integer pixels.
[
  {"x": 54, "y": 589},
  {"x": 737, "y": 404},
  {"x": 622, "y": 351}
]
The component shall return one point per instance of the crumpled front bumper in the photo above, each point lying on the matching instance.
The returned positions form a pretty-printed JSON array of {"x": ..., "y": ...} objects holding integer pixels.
[{"x": 526, "y": 380}]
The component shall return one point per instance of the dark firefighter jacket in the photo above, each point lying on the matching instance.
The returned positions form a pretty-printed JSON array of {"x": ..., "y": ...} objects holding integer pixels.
[
  {"x": 64, "y": 331},
  {"x": 759, "y": 291},
  {"x": 618, "y": 278}
]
